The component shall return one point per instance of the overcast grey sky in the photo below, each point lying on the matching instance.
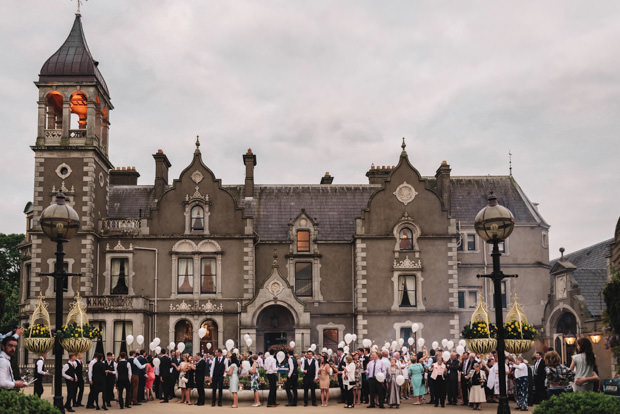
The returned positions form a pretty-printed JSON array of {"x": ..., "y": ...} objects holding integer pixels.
[{"x": 316, "y": 86}]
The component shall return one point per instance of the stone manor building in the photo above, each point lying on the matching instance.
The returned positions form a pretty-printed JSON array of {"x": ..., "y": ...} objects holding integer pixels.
[{"x": 302, "y": 262}]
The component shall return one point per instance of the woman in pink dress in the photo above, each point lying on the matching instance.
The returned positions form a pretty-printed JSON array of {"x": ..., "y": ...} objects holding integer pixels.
[{"x": 150, "y": 377}]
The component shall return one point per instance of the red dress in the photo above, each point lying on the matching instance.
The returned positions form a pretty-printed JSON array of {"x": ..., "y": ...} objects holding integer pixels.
[{"x": 150, "y": 376}]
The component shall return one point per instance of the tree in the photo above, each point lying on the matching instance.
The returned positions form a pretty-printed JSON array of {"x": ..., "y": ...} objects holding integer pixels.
[
  {"x": 611, "y": 316},
  {"x": 9, "y": 280}
]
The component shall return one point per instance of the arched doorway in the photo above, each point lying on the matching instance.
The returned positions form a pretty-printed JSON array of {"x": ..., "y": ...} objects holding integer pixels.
[
  {"x": 275, "y": 325},
  {"x": 184, "y": 332},
  {"x": 567, "y": 326},
  {"x": 210, "y": 338}
]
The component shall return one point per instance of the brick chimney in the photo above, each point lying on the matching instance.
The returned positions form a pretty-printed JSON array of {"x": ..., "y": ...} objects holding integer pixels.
[
  {"x": 378, "y": 175},
  {"x": 327, "y": 179},
  {"x": 124, "y": 176},
  {"x": 161, "y": 173},
  {"x": 443, "y": 184},
  {"x": 249, "y": 159}
]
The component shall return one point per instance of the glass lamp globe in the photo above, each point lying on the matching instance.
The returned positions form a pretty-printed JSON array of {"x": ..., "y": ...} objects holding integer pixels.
[
  {"x": 59, "y": 220},
  {"x": 494, "y": 222}
]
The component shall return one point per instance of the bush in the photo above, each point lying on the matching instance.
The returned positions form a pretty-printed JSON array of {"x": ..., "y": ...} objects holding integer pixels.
[
  {"x": 19, "y": 403},
  {"x": 580, "y": 403}
]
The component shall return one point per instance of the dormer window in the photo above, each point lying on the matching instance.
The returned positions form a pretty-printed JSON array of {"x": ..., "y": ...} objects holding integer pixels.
[
  {"x": 406, "y": 239},
  {"x": 303, "y": 241},
  {"x": 197, "y": 218}
]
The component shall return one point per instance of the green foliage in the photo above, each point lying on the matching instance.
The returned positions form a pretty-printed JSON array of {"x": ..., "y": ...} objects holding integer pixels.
[
  {"x": 476, "y": 330},
  {"x": 73, "y": 330},
  {"x": 611, "y": 317},
  {"x": 9, "y": 280},
  {"x": 18, "y": 403},
  {"x": 517, "y": 330},
  {"x": 580, "y": 403}
]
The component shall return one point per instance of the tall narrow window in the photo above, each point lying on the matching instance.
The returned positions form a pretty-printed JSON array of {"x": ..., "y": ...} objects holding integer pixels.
[
  {"x": 406, "y": 291},
  {"x": 406, "y": 239},
  {"x": 185, "y": 275},
  {"x": 330, "y": 339},
  {"x": 461, "y": 297},
  {"x": 198, "y": 220},
  {"x": 121, "y": 330},
  {"x": 28, "y": 275},
  {"x": 303, "y": 241},
  {"x": 118, "y": 271},
  {"x": 471, "y": 242},
  {"x": 207, "y": 275},
  {"x": 303, "y": 279}
]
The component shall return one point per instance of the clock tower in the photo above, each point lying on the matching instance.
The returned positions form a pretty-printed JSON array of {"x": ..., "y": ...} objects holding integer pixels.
[{"x": 71, "y": 155}]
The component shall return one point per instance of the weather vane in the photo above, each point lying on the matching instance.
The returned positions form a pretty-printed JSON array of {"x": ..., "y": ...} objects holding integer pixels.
[
  {"x": 510, "y": 162},
  {"x": 79, "y": 3}
]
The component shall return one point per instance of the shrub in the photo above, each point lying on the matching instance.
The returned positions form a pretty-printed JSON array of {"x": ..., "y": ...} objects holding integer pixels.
[
  {"x": 580, "y": 403},
  {"x": 19, "y": 403}
]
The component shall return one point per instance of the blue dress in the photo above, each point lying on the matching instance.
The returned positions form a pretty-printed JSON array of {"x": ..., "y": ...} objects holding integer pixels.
[
  {"x": 234, "y": 379},
  {"x": 416, "y": 372}
]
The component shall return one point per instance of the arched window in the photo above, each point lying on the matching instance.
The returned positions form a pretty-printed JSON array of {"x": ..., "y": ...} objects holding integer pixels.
[
  {"x": 53, "y": 103},
  {"x": 184, "y": 332},
  {"x": 406, "y": 239},
  {"x": 197, "y": 219},
  {"x": 80, "y": 108}
]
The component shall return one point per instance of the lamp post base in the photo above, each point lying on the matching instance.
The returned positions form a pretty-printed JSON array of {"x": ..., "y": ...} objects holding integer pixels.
[
  {"x": 58, "y": 403},
  {"x": 503, "y": 407}
]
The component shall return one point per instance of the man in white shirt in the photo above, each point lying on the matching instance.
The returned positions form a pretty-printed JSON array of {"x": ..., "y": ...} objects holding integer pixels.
[
  {"x": 376, "y": 387},
  {"x": 7, "y": 381},
  {"x": 91, "y": 395},
  {"x": 310, "y": 368},
  {"x": 272, "y": 369},
  {"x": 68, "y": 373},
  {"x": 291, "y": 381},
  {"x": 218, "y": 368},
  {"x": 39, "y": 373}
]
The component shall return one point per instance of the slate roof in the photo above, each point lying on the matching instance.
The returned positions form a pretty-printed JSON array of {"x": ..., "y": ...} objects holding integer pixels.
[
  {"x": 73, "y": 60},
  {"x": 334, "y": 206},
  {"x": 590, "y": 273}
]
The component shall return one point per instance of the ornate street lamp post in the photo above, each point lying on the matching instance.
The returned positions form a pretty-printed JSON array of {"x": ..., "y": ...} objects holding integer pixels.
[
  {"x": 59, "y": 222},
  {"x": 494, "y": 224}
]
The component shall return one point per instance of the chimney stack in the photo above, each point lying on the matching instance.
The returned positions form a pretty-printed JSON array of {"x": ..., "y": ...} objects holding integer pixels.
[
  {"x": 249, "y": 159},
  {"x": 124, "y": 176},
  {"x": 161, "y": 173},
  {"x": 443, "y": 184},
  {"x": 327, "y": 179},
  {"x": 378, "y": 175}
]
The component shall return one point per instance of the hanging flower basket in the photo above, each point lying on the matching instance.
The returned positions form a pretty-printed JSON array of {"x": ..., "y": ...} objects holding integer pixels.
[
  {"x": 481, "y": 345},
  {"x": 479, "y": 333},
  {"x": 38, "y": 336},
  {"x": 76, "y": 336},
  {"x": 518, "y": 333},
  {"x": 76, "y": 345}
]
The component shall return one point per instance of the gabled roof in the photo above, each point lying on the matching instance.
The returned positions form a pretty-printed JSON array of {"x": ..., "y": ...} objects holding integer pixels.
[
  {"x": 73, "y": 61},
  {"x": 589, "y": 270}
]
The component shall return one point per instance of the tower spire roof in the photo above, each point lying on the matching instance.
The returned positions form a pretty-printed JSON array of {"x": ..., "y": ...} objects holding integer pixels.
[{"x": 73, "y": 61}]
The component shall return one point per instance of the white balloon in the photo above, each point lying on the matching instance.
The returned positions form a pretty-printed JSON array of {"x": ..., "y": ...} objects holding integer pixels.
[
  {"x": 156, "y": 362},
  {"x": 444, "y": 342},
  {"x": 345, "y": 350},
  {"x": 152, "y": 346},
  {"x": 246, "y": 336},
  {"x": 460, "y": 349},
  {"x": 230, "y": 344},
  {"x": 129, "y": 339},
  {"x": 400, "y": 380},
  {"x": 171, "y": 346},
  {"x": 404, "y": 349},
  {"x": 387, "y": 345},
  {"x": 140, "y": 339},
  {"x": 435, "y": 345},
  {"x": 156, "y": 341},
  {"x": 415, "y": 327},
  {"x": 450, "y": 345},
  {"x": 375, "y": 348},
  {"x": 446, "y": 355},
  {"x": 462, "y": 342},
  {"x": 348, "y": 338},
  {"x": 394, "y": 343},
  {"x": 208, "y": 345},
  {"x": 341, "y": 344},
  {"x": 324, "y": 350},
  {"x": 248, "y": 342},
  {"x": 420, "y": 342},
  {"x": 235, "y": 351},
  {"x": 224, "y": 352},
  {"x": 401, "y": 341},
  {"x": 202, "y": 332},
  {"x": 330, "y": 352},
  {"x": 410, "y": 341},
  {"x": 246, "y": 365},
  {"x": 292, "y": 344},
  {"x": 158, "y": 349},
  {"x": 181, "y": 346},
  {"x": 280, "y": 356},
  {"x": 380, "y": 377},
  {"x": 354, "y": 337},
  {"x": 367, "y": 343},
  {"x": 313, "y": 347}
]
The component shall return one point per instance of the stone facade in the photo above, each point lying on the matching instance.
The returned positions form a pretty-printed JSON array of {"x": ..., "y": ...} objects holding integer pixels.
[{"x": 303, "y": 262}]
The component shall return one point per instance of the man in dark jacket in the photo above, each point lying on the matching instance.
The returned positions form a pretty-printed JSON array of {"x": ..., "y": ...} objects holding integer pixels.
[
  {"x": 110, "y": 379},
  {"x": 452, "y": 365},
  {"x": 99, "y": 376},
  {"x": 291, "y": 380},
  {"x": 218, "y": 368},
  {"x": 165, "y": 376},
  {"x": 540, "y": 391},
  {"x": 79, "y": 372},
  {"x": 201, "y": 373},
  {"x": 123, "y": 379}
]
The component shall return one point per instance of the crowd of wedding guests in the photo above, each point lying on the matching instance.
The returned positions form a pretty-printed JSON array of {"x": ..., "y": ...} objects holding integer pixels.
[{"x": 376, "y": 378}]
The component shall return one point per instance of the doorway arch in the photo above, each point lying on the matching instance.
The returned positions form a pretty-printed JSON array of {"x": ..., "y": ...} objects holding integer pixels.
[
  {"x": 275, "y": 325},
  {"x": 211, "y": 336}
]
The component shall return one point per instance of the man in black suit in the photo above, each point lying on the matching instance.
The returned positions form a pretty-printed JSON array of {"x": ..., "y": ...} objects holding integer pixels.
[
  {"x": 110, "y": 379},
  {"x": 123, "y": 379},
  {"x": 291, "y": 380},
  {"x": 311, "y": 376},
  {"x": 142, "y": 378},
  {"x": 364, "y": 354},
  {"x": 79, "y": 372},
  {"x": 99, "y": 377},
  {"x": 340, "y": 369},
  {"x": 452, "y": 365},
  {"x": 165, "y": 376},
  {"x": 540, "y": 392},
  {"x": 68, "y": 373},
  {"x": 201, "y": 373},
  {"x": 467, "y": 365},
  {"x": 218, "y": 368}
]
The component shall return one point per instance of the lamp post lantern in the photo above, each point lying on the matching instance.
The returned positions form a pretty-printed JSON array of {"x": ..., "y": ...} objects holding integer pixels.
[
  {"x": 59, "y": 222},
  {"x": 494, "y": 223}
]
